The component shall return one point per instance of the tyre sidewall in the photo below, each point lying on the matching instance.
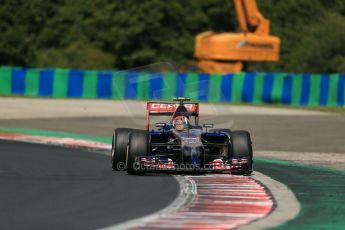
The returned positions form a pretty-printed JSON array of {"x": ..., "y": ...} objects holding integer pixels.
[
  {"x": 119, "y": 148},
  {"x": 241, "y": 147},
  {"x": 139, "y": 144}
]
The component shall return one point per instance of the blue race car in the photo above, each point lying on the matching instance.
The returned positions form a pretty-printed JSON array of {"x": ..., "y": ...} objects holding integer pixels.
[{"x": 181, "y": 144}]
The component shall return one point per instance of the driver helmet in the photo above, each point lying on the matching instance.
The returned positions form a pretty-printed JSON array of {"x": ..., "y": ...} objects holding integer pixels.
[{"x": 180, "y": 123}]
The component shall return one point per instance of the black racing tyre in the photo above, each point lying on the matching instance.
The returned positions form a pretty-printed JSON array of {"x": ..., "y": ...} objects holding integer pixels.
[
  {"x": 241, "y": 147},
  {"x": 139, "y": 144},
  {"x": 119, "y": 148}
]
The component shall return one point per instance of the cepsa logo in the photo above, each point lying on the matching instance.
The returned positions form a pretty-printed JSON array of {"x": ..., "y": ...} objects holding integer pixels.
[
  {"x": 163, "y": 106},
  {"x": 170, "y": 107}
]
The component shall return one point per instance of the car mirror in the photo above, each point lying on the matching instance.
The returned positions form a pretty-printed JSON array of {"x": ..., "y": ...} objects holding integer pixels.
[
  {"x": 160, "y": 124},
  {"x": 207, "y": 125}
]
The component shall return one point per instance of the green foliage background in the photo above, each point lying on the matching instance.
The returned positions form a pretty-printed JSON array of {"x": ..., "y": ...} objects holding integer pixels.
[{"x": 120, "y": 34}]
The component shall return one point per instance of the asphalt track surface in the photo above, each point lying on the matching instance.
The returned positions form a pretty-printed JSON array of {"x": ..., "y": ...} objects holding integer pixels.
[
  {"x": 47, "y": 187},
  {"x": 320, "y": 192}
]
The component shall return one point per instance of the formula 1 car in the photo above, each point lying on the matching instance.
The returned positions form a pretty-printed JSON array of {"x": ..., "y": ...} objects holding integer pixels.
[{"x": 180, "y": 145}]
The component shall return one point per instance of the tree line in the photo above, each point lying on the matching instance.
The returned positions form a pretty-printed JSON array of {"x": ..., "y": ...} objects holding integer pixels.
[{"x": 122, "y": 34}]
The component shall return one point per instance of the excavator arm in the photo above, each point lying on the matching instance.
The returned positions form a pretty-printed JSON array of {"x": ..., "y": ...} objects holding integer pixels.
[
  {"x": 226, "y": 52},
  {"x": 250, "y": 18}
]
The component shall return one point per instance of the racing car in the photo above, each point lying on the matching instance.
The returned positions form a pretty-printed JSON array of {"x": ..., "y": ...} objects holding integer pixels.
[{"x": 180, "y": 143}]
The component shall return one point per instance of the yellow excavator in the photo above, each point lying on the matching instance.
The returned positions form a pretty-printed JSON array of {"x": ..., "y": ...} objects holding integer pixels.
[{"x": 226, "y": 52}]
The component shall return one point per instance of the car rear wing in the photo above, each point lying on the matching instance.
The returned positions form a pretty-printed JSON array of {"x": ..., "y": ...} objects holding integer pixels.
[{"x": 168, "y": 109}]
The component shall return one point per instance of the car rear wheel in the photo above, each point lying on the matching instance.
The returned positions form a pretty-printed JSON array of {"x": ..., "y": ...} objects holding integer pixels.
[
  {"x": 119, "y": 148},
  {"x": 139, "y": 144},
  {"x": 241, "y": 147}
]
